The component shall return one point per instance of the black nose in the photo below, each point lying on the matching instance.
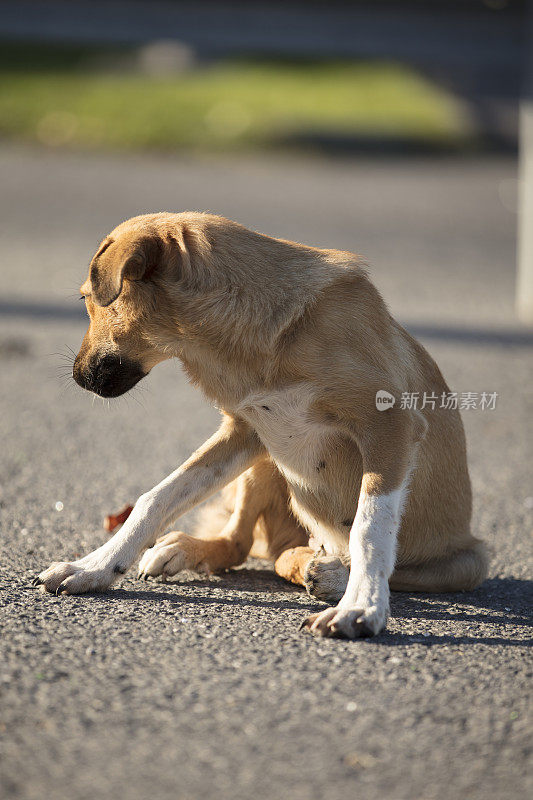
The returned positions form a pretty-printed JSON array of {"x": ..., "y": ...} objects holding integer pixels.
[{"x": 107, "y": 376}]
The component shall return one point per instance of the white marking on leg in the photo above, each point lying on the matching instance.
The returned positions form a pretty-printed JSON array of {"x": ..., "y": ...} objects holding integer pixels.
[
  {"x": 207, "y": 471},
  {"x": 158, "y": 508},
  {"x": 373, "y": 540},
  {"x": 364, "y": 607}
]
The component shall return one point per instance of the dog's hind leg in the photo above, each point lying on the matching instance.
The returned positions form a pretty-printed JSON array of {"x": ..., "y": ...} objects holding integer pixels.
[
  {"x": 292, "y": 563},
  {"x": 223, "y": 537},
  {"x": 324, "y": 577},
  {"x": 250, "y": 507}
]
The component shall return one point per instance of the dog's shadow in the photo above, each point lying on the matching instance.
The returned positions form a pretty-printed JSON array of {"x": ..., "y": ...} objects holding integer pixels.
[
  {"x": 498, "y": 602},
  {"x": 243, "y": 586}
]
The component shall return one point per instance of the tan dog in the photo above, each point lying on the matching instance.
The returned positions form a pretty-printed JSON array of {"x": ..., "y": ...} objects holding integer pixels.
[{"x": 293, "y": 344}]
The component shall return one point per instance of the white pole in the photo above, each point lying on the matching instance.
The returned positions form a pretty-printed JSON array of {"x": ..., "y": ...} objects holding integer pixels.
[{"x": 524, "y": 284}]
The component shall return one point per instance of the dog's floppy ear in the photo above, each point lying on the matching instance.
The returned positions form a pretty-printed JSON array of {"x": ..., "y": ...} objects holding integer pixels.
[{"x": 116, "y": 260}]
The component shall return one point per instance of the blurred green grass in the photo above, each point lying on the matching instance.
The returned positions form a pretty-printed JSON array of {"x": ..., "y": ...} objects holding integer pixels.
[{"x": 79, "y": 97}]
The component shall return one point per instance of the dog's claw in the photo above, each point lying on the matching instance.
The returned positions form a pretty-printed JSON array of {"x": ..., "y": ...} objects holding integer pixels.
[
  {"x": 36, "y": 581},
  {"x": 60, "y": 589},
  {"x": 363, "y": 630}
]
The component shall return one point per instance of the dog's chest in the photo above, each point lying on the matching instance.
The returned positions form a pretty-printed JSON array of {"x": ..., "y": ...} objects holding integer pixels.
[{"x": 296, "y": 441}]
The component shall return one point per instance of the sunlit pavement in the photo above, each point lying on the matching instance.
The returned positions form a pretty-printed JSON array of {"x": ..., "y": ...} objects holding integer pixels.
[{"x": 205, "y": 687}]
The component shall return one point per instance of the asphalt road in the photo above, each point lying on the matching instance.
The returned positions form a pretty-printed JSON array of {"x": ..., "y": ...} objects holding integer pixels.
[{"x": 205, "y": 687}]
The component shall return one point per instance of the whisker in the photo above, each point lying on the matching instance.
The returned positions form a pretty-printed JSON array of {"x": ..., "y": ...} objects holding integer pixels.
[
  {"x": 133, "y": 394},
  {"x": 136, "y": 400},
  {"x": 67, "y": 386}
]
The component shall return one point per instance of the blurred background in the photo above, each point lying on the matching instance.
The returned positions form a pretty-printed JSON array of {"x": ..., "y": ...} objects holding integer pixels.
[
  {"x": 421, "y": 87},
  {"x": 382, "y": 76},
  {"x": 402, "y": 131}
]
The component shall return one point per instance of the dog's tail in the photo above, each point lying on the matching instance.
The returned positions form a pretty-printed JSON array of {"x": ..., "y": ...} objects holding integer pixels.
[{"x": 462, "y": 571}]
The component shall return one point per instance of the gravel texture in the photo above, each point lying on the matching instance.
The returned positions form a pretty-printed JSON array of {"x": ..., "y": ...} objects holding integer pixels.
[{"x": 204, "y": 687}]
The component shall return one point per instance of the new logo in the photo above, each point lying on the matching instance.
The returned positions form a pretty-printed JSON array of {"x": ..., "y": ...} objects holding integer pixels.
[{"x": 384, "y": 400}]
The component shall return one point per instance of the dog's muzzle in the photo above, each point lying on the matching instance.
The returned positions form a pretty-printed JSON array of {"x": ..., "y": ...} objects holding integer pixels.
[{"x": 108, "y": 376}]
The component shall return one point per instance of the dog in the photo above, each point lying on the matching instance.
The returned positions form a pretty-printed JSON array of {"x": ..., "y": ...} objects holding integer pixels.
[{"x": 295, "y": 346}]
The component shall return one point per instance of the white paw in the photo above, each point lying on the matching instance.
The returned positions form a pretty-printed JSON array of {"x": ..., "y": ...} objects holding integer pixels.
[
  {"x": 171, "y": 554},
  {"x": 77, "y": 577},
  {"x": 353, "y": 622},
  {"x": 326, "y": 577}
]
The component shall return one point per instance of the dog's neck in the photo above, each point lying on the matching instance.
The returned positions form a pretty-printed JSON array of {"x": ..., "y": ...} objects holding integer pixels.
[
  {"x": 244, "y": 296},
  {"x": 231, "y": 361}
]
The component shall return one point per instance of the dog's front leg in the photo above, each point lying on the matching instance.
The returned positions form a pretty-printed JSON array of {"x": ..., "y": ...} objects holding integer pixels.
[
  {"x": 222, "y": 458},
  {"x": 387, "y": 461}
]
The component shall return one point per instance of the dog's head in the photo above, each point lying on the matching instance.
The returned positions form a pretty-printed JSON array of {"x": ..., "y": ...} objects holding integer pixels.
[{"x": 127, "y": 298}]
